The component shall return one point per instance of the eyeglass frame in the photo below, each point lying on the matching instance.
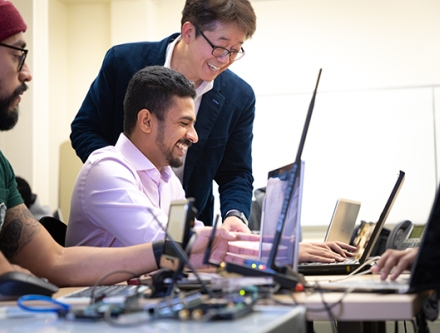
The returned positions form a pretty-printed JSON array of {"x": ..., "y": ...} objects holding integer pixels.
[
  {"x": 226, "y": 51},
  {"x": 23, "y": 55}
]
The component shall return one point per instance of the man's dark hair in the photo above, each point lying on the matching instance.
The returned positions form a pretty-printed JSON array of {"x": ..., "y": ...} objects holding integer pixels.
[
  {"x": 205, "y": 14},
  {"x": 154, "y": 88}
]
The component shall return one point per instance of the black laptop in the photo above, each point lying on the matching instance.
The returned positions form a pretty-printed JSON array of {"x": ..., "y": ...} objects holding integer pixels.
[
  {"x": 348, "y": 266},
  {"x": 425, "y": 272}
]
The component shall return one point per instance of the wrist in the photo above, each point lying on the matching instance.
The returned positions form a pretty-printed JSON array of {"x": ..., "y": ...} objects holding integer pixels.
[
  {"x": 238, "y": 214},
  {"x": 157, "y": 251}
]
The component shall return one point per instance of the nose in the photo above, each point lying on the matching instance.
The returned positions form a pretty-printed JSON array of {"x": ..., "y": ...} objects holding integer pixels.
[
  {"x": 225, "y": 59},
  {"x": 25, "y": 74},
  {"x": 192, "y": 135}
]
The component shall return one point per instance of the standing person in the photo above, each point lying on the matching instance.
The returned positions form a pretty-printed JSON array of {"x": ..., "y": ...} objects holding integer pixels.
[
  {"x": 211, "y": 39},
  {"x": 24, "y": 243}
]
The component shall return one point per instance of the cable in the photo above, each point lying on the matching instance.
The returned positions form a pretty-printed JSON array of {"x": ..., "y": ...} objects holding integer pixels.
[
  {"x": 359, "y": 269},
  {"x": 97, "y": 283},
  {"x": 58, "y": 307}
]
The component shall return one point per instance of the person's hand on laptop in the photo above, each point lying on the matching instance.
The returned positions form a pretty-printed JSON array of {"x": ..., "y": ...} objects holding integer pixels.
[
  {"x": 394, "y": 262},
  {"x": 220, "y": 246},
  {"x": 325, "y": 252}
]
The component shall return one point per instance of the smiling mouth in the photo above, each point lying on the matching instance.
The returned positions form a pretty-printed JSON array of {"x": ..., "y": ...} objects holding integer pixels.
[
  {"x": 214, "y": 68},
  {"x": 183, "y": 147}
]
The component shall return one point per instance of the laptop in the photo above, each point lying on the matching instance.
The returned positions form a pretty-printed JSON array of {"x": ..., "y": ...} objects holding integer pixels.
[
  {"x": 343, "y": 220},
  {"x": 362, "y": 253},
  {"x": 283, "y": 274},
  {"x": 425, "y": 272},
  {"x": 272, "y": 204}
]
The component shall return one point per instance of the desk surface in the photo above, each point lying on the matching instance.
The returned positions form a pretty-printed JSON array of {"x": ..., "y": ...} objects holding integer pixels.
[
  {"x": 350, "y": 307},
  {"x": 263, "y": 319},
  {"x": 359, "y": 306}
]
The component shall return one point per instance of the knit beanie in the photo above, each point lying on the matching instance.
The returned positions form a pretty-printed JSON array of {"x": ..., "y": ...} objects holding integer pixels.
[{"x": 11, "y": 22}]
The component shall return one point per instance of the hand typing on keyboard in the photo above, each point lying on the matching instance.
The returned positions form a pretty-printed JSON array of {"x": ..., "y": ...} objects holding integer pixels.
[
  {"x": 325, "y": 252},
  {"x": 394, "y": 262}
]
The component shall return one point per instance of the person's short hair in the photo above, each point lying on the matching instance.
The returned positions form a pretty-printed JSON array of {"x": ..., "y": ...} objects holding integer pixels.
[
  {"x": 205, "y": 14},
  {"x": 25, "y": 191},
  {"x": 154, "y": 88}
]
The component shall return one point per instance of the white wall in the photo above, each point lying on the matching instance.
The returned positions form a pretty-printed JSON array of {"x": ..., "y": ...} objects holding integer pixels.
[{"x": 375, "y": 110}]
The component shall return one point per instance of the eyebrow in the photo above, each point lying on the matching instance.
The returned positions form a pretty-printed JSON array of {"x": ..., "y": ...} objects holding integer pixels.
[
  {"x": 187, "y": 118},
  {"x": 20, "y": 44},
  {"x": 228, "y": 40}
]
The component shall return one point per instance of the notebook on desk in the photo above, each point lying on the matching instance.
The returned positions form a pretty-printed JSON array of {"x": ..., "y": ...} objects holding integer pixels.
[
  {"x": 343, "y": 220},
  {"x": 362, "y": 253},
  {"x": 425, "y": 272}
]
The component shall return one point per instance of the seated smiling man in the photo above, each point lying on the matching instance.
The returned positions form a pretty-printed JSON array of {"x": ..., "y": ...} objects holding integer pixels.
[{"x": 123, "y": 193}]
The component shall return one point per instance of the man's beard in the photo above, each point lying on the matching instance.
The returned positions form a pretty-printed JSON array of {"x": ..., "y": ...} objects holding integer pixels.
[
  {"x": 8, "y": 117},
  {"x": 174, "y": 162}
]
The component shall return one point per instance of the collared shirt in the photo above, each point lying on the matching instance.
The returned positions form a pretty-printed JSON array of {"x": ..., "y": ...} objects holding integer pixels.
[
  {"x": 120, "y": 198},
  {"x": 202, "y": 89}
]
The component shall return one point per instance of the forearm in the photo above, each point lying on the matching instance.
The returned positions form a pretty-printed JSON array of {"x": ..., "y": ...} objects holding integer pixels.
[
  {"x": 78, "y": 266},
  {"x": 26, "y": 243}
]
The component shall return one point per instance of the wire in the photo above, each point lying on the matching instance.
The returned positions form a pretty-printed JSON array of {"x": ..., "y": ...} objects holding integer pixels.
[
  {"x": 329, "y": 312},
  {"x": 57, "y": 308},
  {"x": 97, "y": 283},
  {"x": 359, "y": 269}
]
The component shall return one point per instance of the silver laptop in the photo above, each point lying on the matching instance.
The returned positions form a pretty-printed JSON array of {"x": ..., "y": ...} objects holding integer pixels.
[
  {"x": 343, "y": 221},
  {"x": 287, "y": 254}
]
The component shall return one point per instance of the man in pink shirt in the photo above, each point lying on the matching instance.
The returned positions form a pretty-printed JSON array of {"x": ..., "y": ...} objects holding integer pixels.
[{"x": 123, "y": 193}]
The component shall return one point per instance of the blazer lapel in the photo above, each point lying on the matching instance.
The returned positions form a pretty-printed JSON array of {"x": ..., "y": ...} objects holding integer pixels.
[{"x": 210, "y": 107}]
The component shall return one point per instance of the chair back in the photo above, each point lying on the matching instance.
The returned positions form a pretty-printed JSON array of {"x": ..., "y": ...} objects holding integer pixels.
[{"x": 56, "y": 228}]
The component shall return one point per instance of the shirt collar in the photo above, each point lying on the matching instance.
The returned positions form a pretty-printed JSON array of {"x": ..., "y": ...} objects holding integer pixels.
[{"x": 138, "y": 160}]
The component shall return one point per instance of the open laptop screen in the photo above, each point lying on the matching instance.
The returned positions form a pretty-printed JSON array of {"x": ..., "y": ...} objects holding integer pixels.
[{"x": 277, "y": 182}]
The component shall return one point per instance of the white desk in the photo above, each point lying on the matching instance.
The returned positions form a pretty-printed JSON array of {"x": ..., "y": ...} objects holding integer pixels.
[
  {"x": 263, "y": 319},
  {"x": 357, "y": 312}
]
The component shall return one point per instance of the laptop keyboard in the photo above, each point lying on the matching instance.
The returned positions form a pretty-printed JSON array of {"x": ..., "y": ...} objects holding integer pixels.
[
  {"x": 109, "y": 291},
  {"x": 345, "y": 262}
]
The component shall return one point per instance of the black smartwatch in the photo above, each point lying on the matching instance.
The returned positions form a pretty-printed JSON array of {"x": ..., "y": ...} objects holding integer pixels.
[{"x": 238, "y": 214}]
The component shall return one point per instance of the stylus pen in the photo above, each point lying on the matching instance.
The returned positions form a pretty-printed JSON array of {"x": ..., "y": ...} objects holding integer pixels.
[{"x": 209, "y": 246}]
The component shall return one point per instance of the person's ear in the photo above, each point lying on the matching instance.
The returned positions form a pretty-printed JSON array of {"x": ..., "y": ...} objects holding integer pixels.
[
  {"x": 145, "y": 120},
  {"x": 188, "y": 31}
]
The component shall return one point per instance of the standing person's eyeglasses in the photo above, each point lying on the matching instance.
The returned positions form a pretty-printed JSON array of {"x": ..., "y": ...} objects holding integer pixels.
[
  {"x": 220, "y": 52},
  {"x": 22, "y": 57}
]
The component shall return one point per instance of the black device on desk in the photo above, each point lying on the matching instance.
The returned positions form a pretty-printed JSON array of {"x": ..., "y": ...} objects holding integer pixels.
[{"x": 16, "y": 284}]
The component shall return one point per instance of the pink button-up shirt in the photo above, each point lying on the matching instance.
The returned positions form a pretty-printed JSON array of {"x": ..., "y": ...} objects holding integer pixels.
[{"x": 114, "y": 195}]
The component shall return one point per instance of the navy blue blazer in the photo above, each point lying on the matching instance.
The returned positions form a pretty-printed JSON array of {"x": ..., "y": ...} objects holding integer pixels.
[{"x": 224, "y": 126}]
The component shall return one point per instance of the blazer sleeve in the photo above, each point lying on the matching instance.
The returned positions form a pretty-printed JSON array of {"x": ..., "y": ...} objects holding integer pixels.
[
  {"x": 234, "y": 175},
  {"x": 91, "y": 128}
]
